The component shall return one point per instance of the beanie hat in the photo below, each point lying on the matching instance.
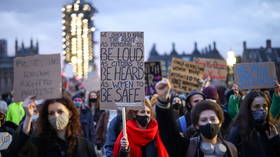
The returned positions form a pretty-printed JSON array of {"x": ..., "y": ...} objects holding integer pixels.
[{"x": 211, "y": 92}]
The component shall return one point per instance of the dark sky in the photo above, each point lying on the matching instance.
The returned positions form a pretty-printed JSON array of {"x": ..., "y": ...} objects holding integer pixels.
[{"x": 228, "y": 22}]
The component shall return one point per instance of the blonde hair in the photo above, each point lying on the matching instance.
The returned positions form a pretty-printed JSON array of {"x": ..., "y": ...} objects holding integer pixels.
[{"x": 131, "y": 114}]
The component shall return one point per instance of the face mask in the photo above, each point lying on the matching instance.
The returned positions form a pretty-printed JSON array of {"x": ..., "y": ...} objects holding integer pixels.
[
  {"x": 92, "y": 100},
  {"x": 78, "y": 104},
  {"x": 259, "y": 116},
  {"x": 142, "y": 120},
  {"x": 35, "y": 117},
  {"x": 60, "y": 122},
  {"x": 209, "y": 131},
  {"x": 176, "y": 106}
]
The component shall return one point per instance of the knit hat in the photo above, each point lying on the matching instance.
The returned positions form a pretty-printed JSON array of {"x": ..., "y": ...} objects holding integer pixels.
[
  {"x": 78, "y": 96},
  {"x": 193, "y": 93},
  {"x": 211, "y": 93}
]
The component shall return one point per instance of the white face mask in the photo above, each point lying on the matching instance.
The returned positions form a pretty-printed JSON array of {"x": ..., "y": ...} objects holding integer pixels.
[
  {"x": 35, "y": 117},
  {"x": 60, "y": 122}
]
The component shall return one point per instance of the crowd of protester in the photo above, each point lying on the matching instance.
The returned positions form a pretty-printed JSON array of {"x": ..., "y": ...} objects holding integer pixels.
[{"x": 214, "y": 121}]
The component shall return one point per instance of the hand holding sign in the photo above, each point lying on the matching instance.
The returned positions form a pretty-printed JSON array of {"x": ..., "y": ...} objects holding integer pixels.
[
  {"x": 163, "y": 88},
  {"x": 124, "y": 143},
  {"x": 29, "y": 105}
]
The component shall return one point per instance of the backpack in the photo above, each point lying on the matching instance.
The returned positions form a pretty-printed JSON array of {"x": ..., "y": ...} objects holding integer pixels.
[{"x": 182, "y": 124}]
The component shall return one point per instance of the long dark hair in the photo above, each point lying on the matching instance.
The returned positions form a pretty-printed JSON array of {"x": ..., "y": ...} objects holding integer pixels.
[
  {"x": 245, "y": 119},
  {"x": 73, "y": 129},
  {"x": 97, "y": 105}
]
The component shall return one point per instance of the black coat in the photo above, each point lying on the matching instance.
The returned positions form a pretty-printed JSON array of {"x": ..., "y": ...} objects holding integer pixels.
[
  {"x": 258, "y": 144},
  {"x": 176, "y": 144},
  {"x": 27, "y": 146}
]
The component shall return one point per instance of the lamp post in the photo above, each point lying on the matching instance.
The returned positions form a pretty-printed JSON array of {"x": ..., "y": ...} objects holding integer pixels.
[{"x": 231, "y": 60}]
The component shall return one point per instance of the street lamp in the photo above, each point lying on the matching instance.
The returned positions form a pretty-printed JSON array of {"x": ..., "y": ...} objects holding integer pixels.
[{"x": 231, "y": 60}]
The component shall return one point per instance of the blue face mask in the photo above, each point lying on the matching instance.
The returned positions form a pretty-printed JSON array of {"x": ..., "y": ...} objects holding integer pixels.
[
  {"x": 259, "y": 116},
  {"x": 78, "y": 104}
]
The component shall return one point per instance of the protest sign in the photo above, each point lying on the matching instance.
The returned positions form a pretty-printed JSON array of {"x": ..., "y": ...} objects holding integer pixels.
[
  {"x": 214, "y": 68},
  {"x": 5, "y": 140},
  {"x": 122, "y": 70},
  {"x": 38, "y": 76},
  {"x": 152, "y": 76},
  {"x": 255, "y": 75},
  {"x": 184, "y": 76}
]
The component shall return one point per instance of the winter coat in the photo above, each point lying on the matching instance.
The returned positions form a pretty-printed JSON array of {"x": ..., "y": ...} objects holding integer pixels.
[
  {"x": 8, "y": 127},
  {"x": 275, "y": 106},
  {"x": 15, "y": 112},
  {"x": 176, "y": 144},
  {"x": 35, "y": 146},
  {"x": 258, "y": 144},
  {"x": 233, "y": 105},
  {"x": 87, "y": 124},
  {"x": 113, "y": 132}
]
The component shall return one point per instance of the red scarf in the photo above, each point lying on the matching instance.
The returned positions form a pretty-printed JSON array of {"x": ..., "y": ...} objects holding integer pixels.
[{"x": 141, "y": 137}]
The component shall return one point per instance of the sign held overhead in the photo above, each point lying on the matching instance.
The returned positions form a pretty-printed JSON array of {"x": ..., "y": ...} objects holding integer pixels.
[
  {"x": 122, "y": 70},
  {"x": 255, "y": 75},
  {"x": 38, "y": 76}
]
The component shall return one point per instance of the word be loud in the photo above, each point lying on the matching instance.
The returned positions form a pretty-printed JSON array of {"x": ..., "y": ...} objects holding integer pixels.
[{"x": 130, "y": 54}]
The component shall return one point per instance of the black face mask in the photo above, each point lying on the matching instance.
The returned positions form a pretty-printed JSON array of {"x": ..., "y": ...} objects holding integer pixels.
[
  {"x": 142, "y": 120},
  {"x": 209, "y": 131},
  {"x": 92, "y": 100},
  {"x": 176, "y": 106}
]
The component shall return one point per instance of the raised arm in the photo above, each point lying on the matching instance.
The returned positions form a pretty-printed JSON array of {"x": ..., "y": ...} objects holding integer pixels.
[{"x": 175, "y": 143}]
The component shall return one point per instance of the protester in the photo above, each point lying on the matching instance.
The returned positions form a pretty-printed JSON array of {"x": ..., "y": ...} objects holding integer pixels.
[
  {"x": 207, "y": 117},
  {"x": 211, "y": 93},
  {"x": 275, "y": 106},
  {"x": 7, "y": 97},
  {"x": 221, "y": 89},
  {"x": 192, "y": 99},
  {"x": 143, "y": 138},
  {"x": 177, "y": 106},
  {"x": 58, "y": 133},
  {"x": 113, "y": 132},
  {"x": 94, "y": 105},
  {"x": 253, "y": 132},
  {"x": 101, "y": 130},
  {"x": 234, "y": 101},
  {"x": 15, "y": 112},
  {"x": 7, "y": 128},
  {"x": 86, "y": 118}
]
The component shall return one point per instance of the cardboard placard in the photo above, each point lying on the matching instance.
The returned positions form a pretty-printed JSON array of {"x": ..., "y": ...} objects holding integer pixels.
[
  {"x": 37, "y": 76},
  {"x": 122, "y": 70},
  {"x": 255, "y": 75},
  {"x": 5, "y": 140},
  {"x": 214, "y": 68},
  {"x": 152, "y": 76},
  {"x": 184, "y": 76}
]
